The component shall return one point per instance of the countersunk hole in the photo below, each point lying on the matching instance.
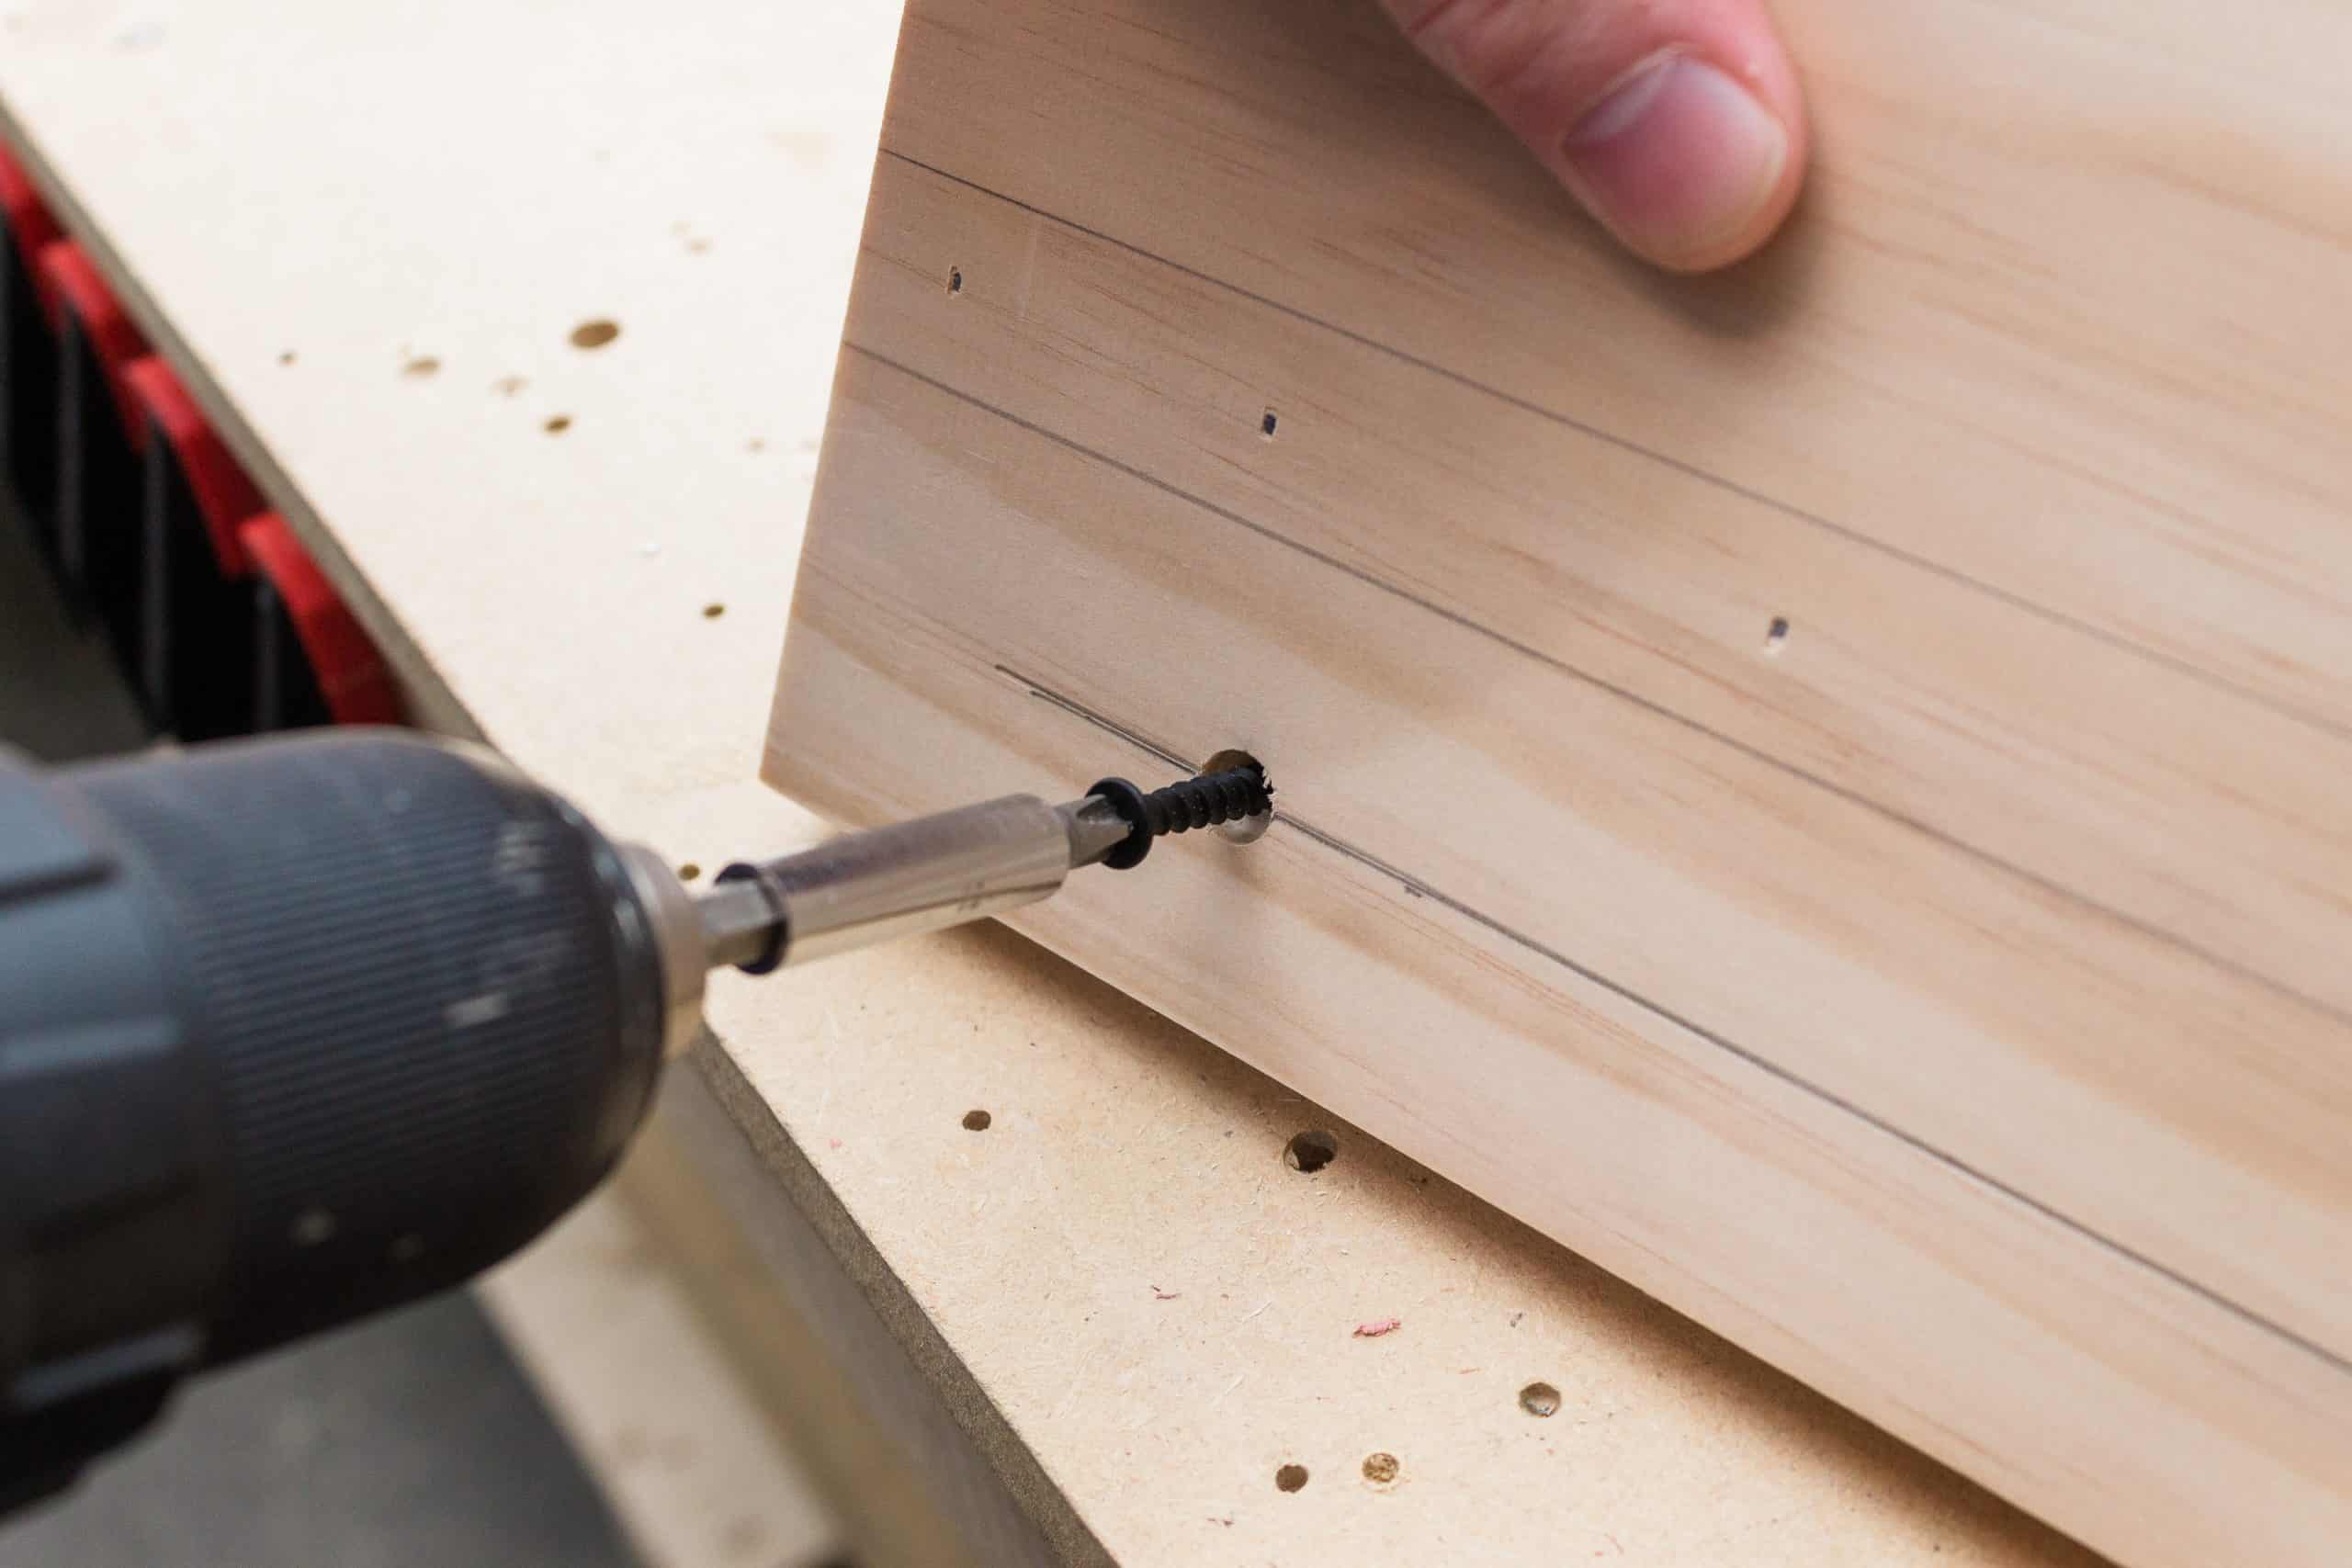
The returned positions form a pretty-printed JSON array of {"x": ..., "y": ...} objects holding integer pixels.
[
  {"x": 1540, "y": 1399},
  {"x": 556, "y": 424},
  {"x": 713, "y": 610},
  {"x": 976, "y": 1121},
  {"x": 1776, "y": 635},
  {"x": 955, "y": 281},
  {"x": 595, "y": 334},
  {"x": 688, "y": 872},
  {"x": 1266, "y": 425},
  {"x": 1380, "y": 1469},
  {"x": 421, "y": 366},
  {"x": 1290, "y": 1478},
  {"x": 1310, "y": 1151},
  {"x": 1248, "y": 829}
]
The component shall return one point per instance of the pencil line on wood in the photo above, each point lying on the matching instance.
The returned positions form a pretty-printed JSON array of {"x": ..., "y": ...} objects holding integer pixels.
[
  {"x": 2027, "y": 875},
  {"x": 1078, "y": 710},
  {"x": 1829, "y": 1097},
  {"x": 1682, "y": 466}
]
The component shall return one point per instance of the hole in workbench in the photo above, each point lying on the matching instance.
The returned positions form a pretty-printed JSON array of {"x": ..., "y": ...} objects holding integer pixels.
[
  {"x": 713, "y": 610},
  {"x": 1310, "y": 1151},
  {"x": 1776, "y": 635},
  {"x": 1290, "y": 1478},
  {"x": 976, "y": 1121},
  {"x": 1540, "y": 1399},
  {"x": 556, "y": 424},
  {"x": 955, "y": 281},
  {"x": 595, "y": 334},
  {"x": 1380, "y": 1469}
]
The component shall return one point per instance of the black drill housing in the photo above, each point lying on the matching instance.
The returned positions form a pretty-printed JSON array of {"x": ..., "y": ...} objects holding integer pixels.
[{"x": 290, "y": 1031}]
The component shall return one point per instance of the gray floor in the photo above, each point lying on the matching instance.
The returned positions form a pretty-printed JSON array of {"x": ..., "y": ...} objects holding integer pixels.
[{"x": 413, "y": 1440}]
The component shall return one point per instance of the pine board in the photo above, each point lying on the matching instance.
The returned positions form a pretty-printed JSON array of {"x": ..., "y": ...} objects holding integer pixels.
[{"x": 1943, "y": 995}]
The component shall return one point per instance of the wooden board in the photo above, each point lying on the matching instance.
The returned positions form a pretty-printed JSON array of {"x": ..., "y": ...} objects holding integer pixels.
[{"x": 1820, "y": 787}]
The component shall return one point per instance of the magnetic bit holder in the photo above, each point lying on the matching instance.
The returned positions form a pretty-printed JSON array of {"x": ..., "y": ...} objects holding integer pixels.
[{"x": 945, "y": 869}]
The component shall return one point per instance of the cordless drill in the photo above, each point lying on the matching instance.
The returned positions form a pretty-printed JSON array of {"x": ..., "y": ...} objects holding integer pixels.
[{"x": 296, "y": 1030}]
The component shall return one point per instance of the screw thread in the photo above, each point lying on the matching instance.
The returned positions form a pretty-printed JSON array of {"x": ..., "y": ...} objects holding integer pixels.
[
  {"x": 1206, "y": 801},
  {"x": 1231, "y": 795}
]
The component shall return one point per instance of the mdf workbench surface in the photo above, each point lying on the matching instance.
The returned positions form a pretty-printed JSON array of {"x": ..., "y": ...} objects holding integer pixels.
[{"x": 367, "y": 239}]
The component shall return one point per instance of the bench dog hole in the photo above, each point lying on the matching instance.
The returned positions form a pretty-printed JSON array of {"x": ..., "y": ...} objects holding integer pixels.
[{"x": 1310, "y": 1151}]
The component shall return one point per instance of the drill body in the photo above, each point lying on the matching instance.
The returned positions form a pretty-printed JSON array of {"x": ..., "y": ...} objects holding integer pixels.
[
  {"x": 289, "y": 1034},
  {"x": 295, "y": 1030}
]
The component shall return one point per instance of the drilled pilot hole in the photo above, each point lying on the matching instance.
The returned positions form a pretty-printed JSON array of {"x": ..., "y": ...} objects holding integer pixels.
[
  {"x": 1266, "y": 425},
  {"x": 1310, "y": 1151},
  {"x": 1290, "y": 1477},
  {"x": 1777, "y": 635},
  {"x": 955, "y": 281},
  {"x": 1540, "y": 1399},
  {"x": 1246, "y": 829}
]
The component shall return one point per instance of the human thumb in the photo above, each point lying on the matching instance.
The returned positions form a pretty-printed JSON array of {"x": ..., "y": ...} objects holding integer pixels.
[{"x": 1678, "y": 123}]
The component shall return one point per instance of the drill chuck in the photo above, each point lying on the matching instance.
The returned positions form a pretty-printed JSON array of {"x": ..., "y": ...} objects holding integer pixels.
[{"x": 291, "y": 1032}]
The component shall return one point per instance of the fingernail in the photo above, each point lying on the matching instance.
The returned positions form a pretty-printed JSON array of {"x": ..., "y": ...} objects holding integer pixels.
[{"x": 1679, "y": 159}]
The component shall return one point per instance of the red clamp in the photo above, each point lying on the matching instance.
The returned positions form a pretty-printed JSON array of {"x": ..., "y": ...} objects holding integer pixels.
[
  {"x": 223, "y": 493},
  {"x": 351, "y": 676},
  {"x": 30, "y": 228},
  {"x": 70, "y": 283}
]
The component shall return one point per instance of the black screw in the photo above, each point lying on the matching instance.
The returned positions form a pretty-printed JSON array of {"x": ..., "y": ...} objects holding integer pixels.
[{"x": 1230, "y": 795}]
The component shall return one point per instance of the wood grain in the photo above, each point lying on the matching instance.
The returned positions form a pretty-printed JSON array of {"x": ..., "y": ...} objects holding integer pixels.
[{"x": 1816, "y": 788}]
